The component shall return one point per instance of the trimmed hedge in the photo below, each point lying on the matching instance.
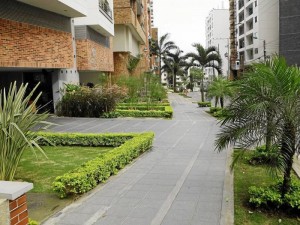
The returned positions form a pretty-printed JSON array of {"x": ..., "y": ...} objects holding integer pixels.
[
  {"x": 167, "y": 113},
  {"x": 204, "y": 104},
  {"x": 88, "y": 175},
  {"x": 144, "y": 104},
  {"x": 141, "y": 108},
  {"x": 80, "y": 139}
]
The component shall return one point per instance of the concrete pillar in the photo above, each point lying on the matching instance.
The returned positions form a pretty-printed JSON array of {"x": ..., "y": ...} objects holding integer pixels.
[{"x": 13, "y": 202}]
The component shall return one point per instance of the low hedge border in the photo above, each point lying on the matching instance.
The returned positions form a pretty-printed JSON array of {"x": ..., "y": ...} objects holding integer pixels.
[
  {"x": 88, "y": 175},
  {"x": 145, "y": 104},
  {"x": 204, "y": 104},
  {"x": 167, "y": 113},
  {"x": 141, "y": 108}
]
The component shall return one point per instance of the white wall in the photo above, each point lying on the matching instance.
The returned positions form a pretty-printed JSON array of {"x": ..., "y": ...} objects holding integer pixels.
[
  {"x": 124, "y": 41},
  {"x": 96, "y": 19}
]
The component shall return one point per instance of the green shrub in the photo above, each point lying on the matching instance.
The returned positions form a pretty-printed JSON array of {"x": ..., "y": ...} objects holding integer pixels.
[
  {"x": 141, "y": 108},
  {"x": 32, "y": 222},
  {"x": 261, "y": 156},
  {"x": 167, "y": 113},
  {"x": 214, "y": 109},
  {"x": 79, "y": 139},
  {"x": 146, "y": 104},
  {"x": 204, "y": 104},
  {"x": 112, "y": 114},
  {"x": 90, "y": 102},
  {"x": 93, "y": 172},
  {"x": 270, "y": 197}
]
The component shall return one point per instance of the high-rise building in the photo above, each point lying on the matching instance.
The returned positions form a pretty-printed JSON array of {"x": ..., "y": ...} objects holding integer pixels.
[
  {"x": 257, "y": 29},
  {"x": 217, "y": 34},
  {"x": 289, "y": 39}
]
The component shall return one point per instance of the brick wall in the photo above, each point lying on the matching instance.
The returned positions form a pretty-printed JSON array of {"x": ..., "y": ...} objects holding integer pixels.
[
  {"x": 18, "y": 211},
  {"x": 25, "y": 45},
  {"x": 92, "y": 56}
]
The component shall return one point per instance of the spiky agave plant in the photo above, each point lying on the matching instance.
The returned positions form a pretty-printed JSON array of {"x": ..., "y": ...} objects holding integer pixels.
[{"x": 18, "y": 116}]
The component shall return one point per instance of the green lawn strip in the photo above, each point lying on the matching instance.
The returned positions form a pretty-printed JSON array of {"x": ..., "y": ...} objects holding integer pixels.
[
  {"x": 42, "y": 171},
  {"x": 246, "y": 175}
]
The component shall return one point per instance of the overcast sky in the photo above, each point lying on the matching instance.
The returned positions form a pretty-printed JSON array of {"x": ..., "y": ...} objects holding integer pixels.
[{"x": 184, "y": 20}]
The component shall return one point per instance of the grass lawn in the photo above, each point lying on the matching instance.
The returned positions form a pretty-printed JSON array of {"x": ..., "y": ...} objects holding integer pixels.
[
  {"x": 245, "y": 176},
  {"x": 42, "y": 201}
]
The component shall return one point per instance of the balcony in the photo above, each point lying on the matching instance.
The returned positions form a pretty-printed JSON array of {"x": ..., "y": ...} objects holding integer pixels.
[
  {"x": 126, "y": 16},
  {"x": 241, "y": 4},
  {"x": 105, "y": 9},
  {"x": 68, "y": 8}
]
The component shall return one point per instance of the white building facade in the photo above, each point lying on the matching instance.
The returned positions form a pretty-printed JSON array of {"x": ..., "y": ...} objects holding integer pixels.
[
  {"x": 257, "y": 29},
  {"x": 217, "y": 34}
]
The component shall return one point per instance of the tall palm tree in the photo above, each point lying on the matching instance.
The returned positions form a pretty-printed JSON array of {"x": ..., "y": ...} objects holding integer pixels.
[
  {"x": 267, "y": 105},
  {"x": 205, "y": 58},
  {"x": 219, "y": 89},
  {"x": 175, "y": 64},
  {"x": 160, "y": 48}
]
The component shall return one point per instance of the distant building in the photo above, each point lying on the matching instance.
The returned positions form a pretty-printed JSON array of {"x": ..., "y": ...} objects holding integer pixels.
[
  {"x": 289, "y": 30},
  {"x": 257, "y": 29},
  {"x": 217, "y": 34}
]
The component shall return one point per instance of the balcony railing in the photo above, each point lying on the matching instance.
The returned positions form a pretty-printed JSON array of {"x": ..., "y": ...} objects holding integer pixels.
[{"x": 105, "y": 9}]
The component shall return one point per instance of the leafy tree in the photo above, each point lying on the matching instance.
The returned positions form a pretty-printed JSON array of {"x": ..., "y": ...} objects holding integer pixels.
[
  {"x": 219, "y": 89},
  {"x": 175, "y": 64},
  {"x": 204, "y": 58},
  {"x": 266, "y": 107},
  {"x": 161, "y": 48}
]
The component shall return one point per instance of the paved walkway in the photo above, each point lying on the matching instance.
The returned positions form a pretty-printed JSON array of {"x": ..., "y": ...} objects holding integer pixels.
[{"x": 179, "y": 182}]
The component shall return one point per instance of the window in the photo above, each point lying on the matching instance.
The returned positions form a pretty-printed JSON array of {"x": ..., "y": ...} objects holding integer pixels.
[
  {"x": 255, "y": 19},
  {"x": 255, "y": 3},
  {"x": 256, "y": 50}
]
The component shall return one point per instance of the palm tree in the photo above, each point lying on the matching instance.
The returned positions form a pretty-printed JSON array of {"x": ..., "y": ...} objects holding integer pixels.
[
  {"x": 161, "y": 48},
  {"x": 205, "y": 58},
  {"x": 266, "y": 107},
  {"x": 219, "y": 89},
  {"x": 196, "y": 75},
  {"x": 175, "y": 64}
]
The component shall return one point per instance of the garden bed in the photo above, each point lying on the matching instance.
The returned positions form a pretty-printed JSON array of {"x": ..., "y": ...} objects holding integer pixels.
[
  {"x": 75, "y": 165},
  {"x": 246, "y": 175}
]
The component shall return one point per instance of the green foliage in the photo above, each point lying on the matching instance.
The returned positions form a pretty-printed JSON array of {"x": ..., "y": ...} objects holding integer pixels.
[
  {"x": 214, "y": 109},
  {"x": 71, "y": 87},
  {"x": 112, "y": 114},
  {"x": 32, "y": 222},
  {"x": 141, "y": 107},
  {"x": 262, "y": 156},
  {"x": 271, "y": 198},
  {"x": 79, "y": 139},
  {"x": 17, "y": 117},
  {"x": 167, "y": 113},
  {"x": 90, "y": 102},
  {"x": 93, "y": 172},
  {"x": 204, "y": 104},
  {"x": 133, "y": 63},
  {"x": 146, "y": 104}
]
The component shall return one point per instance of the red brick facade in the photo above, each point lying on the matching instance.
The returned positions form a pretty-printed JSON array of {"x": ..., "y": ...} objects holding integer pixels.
[
  {"x": 25, "y": 45},
  {"x": 92, "y": 56},
  {"x": 18, "y": 211}
]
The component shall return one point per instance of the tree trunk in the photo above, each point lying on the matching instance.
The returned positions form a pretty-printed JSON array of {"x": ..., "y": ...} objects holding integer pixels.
[
  {"x": 216, "y": 101},
  {"x": 269, "y": 129},
  {"x": 202, "y": 90},
  {"x": 222, "y": 102},
  {"x": 174, "y": 82},
  {"x": 288, "y": 150}
]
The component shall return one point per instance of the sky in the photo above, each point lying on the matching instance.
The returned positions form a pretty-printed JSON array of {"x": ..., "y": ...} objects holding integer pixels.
[{"x": 184, "y": 20}]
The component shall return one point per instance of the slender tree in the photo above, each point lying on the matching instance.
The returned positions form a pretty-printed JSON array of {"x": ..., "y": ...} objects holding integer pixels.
[
  {"x": 204, "y": 58},
  {"x": 160, "y": 48},
  {"x": 175, "y": 64},
  {"x": 266, "y": 109},
  {"x": 219, "y": 89}
]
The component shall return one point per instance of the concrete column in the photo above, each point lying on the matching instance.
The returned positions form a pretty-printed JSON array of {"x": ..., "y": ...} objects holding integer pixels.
[{"x": 13, "y": 202}]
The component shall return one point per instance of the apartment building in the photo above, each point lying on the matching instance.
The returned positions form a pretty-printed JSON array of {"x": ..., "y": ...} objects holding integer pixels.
[
  {"x": 37, "y": 44},
  {"x": 217, "y": 34},
  {"x": 257, "y": 28},
  {"x": 94, "y": 36},
  {"x": 131, "y": 36},
  {"x": 289, "y": 39}
]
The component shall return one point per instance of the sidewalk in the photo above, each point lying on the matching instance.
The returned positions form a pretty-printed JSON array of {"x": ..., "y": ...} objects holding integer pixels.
[{"x": 179, "y": 182}]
